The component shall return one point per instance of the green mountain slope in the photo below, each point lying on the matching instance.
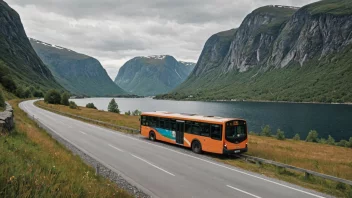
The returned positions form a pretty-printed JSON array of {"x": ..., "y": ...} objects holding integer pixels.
[
  {"x": 17, "y": 56},
  {"x": 280, "y": 53},
  {"x": 78, "y": 73},
  {"x": 152, "y": 75}
]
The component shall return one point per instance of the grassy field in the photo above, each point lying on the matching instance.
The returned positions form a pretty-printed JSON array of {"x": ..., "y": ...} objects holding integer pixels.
[
  {"x": 326, "y": 159},
  {"x": 32, "y": 164}
]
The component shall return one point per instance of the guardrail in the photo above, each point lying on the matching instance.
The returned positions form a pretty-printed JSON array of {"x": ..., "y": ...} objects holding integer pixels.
[
  {"x": 91, "y": 120},
  {"x": 306, "y": 172}
]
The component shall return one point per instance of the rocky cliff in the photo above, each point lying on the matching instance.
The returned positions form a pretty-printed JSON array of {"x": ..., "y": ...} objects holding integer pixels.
[
  {"x": 152, "y": 75},
  {"x": 17, "y": 55},
  {"x": 280, "y": 53},
  {"x": 78, "y": 73}
]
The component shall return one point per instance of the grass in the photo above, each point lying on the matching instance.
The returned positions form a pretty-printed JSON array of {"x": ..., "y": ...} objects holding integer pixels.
[
  {"x": 322, "y": 158},
  {"x": 35, "y": 165}
]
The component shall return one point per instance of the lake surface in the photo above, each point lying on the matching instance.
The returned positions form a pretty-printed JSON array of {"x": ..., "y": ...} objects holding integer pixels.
[{"x": 292, "y": 118}]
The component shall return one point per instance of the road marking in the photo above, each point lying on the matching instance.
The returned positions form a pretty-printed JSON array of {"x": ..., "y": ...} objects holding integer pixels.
[
  {"x": 83, "y": 132},
  {"x": 116, "y": 148},
  {"x": 152, "y": 165},
  {"x": 243, "y": 191}
]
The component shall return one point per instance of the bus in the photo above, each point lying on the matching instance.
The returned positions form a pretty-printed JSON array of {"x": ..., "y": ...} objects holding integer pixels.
[{"x": 200, "y": 133}]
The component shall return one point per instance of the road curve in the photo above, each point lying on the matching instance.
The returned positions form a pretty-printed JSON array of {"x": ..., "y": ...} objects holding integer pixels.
[{"x": 162, "y": 171}]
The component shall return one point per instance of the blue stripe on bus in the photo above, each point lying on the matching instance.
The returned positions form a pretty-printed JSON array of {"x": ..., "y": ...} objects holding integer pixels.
[{"x": 166, "y": 133}]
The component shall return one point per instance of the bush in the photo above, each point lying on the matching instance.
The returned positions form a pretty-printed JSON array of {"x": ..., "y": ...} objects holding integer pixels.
[
  {"x": 330, "y": 140},
  {"x": 343, "y": 143},
  {"x": 9, "y": 84},
  {"x": 312, "y": 136},
  {"x": 350, "y": 143},
  {"x": 64, "y": 99},
  {"x": 280, "y": 135},
  {"x": 322, "y": 141},
  {"x": 266, "y": 131},
  {"x": 91, "y": 106},
  {"x": 136, "y": 112},
  {"x": 128, "y": 113},
  {"x": 253, "y": 133},
  {"x": 296, "y": 137},
  {"x": 20, "y": 92},
  {"x": 2, "y": 100},
  {"x": 73, "y": 105},
  {"x": 27, "y": 93},
  {"x": 38, "y": 94},
  {"x": 52, "y": 97},
  {"x": 113, "y": 107}
]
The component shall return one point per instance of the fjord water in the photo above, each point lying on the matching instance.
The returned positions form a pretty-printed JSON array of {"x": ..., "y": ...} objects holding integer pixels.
[{"x": 292, "y": 118}]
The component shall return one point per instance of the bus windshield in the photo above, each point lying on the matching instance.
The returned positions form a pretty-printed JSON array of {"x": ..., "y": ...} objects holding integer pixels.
[{"x": 236, "y": 131}]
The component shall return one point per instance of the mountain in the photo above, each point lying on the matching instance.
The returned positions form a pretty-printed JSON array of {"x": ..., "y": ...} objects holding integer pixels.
[
  {"x": 152, "y": 75},
  {"x": 78, "y": 73},
  {"x": 278, "y": 53},
  {"x": 18, "y": 60}
]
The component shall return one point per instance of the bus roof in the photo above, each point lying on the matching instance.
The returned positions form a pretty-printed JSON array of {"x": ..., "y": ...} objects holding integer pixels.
[{"x": 189, "y": 116}]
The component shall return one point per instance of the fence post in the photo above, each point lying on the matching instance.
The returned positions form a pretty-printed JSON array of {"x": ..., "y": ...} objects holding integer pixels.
[{"x": 97, "y": 170}]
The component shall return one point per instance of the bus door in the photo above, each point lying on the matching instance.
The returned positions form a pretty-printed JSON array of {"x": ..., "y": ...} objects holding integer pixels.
[{"x": 180, "y": 129}]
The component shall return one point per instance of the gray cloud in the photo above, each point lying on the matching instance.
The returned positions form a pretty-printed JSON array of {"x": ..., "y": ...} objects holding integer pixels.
[{"x": 114, "y": 31}]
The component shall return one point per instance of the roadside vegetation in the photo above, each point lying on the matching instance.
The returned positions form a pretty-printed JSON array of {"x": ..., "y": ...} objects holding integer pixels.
[
  {"x": 2, "y": 101},
  {"x": 35, "y": 165}
]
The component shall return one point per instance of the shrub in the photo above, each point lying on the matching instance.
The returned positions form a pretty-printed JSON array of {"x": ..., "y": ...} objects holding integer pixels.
[
  {"x": 253, "y": 133},
  {"x": 280, "y": 135},
  {"x": 343, "y": 143},
  {"x": 312, "y": 136},
  {"x": 296, "y": 137},
  {"x": 322, "y": 141},
  {"x": 73, "y": 105},
  {"x": 91, "y": 106},
  {"x": 20, "y": 92},
  {"x": 27, "y": 93},
  {"x": 113, "y": 107},
  {"x": 128, "y": 113},
  {"x": 136, "y": 112},
  {"x": 266, "y": 131},
  {"x": 38, "y": 94},
  {"x": 330, "y": 140},
  {"x": 350, "y": 143},
  {"x": 64, "y": 99},
  {"x": 9, "y": 84},
  {"x": 2, "y": 99},
  {"x": 52, "y": 97}
]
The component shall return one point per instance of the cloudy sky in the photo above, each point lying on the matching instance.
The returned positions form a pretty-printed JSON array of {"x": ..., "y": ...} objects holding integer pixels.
[{"x": 114, "y": 31}]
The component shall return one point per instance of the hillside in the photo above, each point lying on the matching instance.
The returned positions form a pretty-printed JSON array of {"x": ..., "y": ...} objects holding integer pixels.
[
  {"x": 78, "y": 73},
  {"x": 18, "y": 60},
  {"x": 148, "y": 76},
  {"x": 279, "y": 53}
]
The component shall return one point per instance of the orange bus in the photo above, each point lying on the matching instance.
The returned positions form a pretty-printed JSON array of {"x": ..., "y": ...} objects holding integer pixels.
[{"x": 200, "y": 133}]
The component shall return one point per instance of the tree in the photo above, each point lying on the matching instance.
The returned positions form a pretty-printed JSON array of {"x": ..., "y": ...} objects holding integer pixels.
[
  {"x": 330, "y": 140},
  {"x": 2, "y": 99},
  {"x": 91, "y": 105},
  {"x": 27, "y": 93},
  {"x": 128, "y": 113},
  {"x": 64, "y": 99},
  {"x": 312, "y": 136},
  {"x": 296, "y": 137},
  {"x": 266, "y": 131},
  {"x": 343, "y": 143},
  {"x": 73, "y": 105},
  {"x": 20, "y": 92},
  {"x": 38, "y": 94},
  {"x": 113, "y": 107},
  {"x": 136, "y": 112},
  {"x": 350, "y": 143},
  {"x": 52, "y": 97},
  {"x": 280, "y": 135}
]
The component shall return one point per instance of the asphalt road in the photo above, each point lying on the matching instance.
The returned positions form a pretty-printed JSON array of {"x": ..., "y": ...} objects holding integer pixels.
[{"x": 162, "y": 171}]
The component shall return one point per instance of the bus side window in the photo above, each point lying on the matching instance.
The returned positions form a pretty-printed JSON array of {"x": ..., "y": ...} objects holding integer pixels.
[
  {"x": 216, "y": 131},
  {"x": 196, "y": 128},
  {"x": 144, "y": 120},
  {"x": 173, "y": 125},
  {"x": 162, "y": 123},
  {"x": 205, "y": 129},
  {"x": 188, "y": 127}
]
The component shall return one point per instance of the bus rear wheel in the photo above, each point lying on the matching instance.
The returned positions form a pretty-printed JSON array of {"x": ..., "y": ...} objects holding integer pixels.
[
  {"x": 196, "y": 147},
  {"x": 152, "y": 136}
]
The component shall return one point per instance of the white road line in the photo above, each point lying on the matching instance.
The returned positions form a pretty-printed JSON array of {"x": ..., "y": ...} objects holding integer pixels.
[
  {"x": 152, "y": 165},
  {"x": 243, "y": 191},
  {"x": 83, "y": 132},
  {"x": 116, "y": 148},
  {"x": 210, "y": 162}
]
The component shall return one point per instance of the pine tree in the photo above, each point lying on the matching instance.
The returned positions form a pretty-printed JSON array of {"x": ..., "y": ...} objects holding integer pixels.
[{"x": 113, "y": 107}]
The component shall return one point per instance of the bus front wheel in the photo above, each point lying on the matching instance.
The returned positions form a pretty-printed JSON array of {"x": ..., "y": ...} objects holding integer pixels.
[
  {"x": 196, "y": 147},
  {"x": 152, "y": 136}
]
